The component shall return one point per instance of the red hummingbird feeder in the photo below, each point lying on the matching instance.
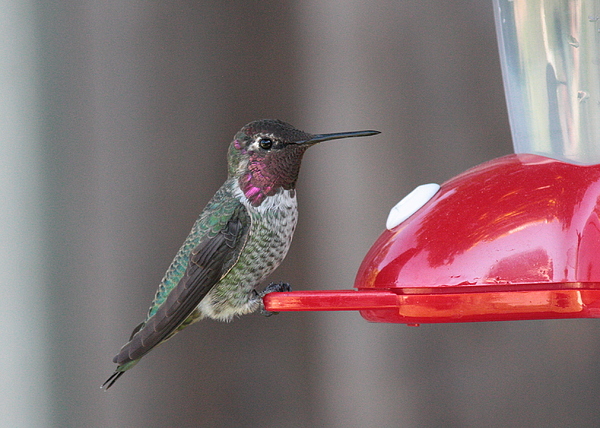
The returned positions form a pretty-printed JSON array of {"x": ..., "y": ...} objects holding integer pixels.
[{"x": 514, "y": 238}]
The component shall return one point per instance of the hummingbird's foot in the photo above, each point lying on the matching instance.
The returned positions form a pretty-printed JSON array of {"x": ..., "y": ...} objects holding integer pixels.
[{"x": 274, "y": 287}]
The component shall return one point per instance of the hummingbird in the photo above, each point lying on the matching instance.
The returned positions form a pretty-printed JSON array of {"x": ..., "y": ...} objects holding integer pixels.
[{"x": 240, "y": 237}]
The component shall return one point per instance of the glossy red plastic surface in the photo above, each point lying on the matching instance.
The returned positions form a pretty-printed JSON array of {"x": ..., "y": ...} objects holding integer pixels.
[{"x": 514, "y": 238}]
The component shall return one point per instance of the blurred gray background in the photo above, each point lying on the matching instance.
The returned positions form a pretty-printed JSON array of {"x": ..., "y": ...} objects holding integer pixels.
[{"x": 116, "y": 116}]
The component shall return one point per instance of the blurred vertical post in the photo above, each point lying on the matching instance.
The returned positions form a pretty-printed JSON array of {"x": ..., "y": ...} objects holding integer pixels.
[
  {"x": 23, "y": 350},
  {"x": 339, "y": 93}
]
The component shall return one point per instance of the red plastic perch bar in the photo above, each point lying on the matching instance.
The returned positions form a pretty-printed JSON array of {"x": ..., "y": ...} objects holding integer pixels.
[
  {"x": 427, "y": 306},
  {"x": 330, "y": 300}
]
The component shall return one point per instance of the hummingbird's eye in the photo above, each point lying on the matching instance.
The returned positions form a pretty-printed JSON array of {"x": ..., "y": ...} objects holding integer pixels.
[{"x": 265, "y": 143}]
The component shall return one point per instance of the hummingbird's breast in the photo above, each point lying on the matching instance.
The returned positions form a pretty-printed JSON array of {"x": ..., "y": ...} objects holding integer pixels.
[{"x": 271, "y": 230}]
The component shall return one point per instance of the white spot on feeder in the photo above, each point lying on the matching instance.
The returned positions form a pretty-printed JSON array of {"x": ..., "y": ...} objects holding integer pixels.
[{"x": 411, "y": 203}]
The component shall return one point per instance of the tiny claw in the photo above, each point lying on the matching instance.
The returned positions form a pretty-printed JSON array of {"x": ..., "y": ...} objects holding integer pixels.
[{"x": 274, "y": 287}]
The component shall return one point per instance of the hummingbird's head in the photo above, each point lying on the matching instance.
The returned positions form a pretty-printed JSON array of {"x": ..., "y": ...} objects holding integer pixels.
[{"x": 265, "y": 156}]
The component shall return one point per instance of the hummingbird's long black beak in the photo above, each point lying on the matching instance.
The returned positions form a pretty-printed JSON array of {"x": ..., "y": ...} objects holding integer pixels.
[{"x": 318, "y": 138}]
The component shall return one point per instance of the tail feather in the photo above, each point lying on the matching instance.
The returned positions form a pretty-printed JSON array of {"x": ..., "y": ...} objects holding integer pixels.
[{"x": 111, "y": 380}]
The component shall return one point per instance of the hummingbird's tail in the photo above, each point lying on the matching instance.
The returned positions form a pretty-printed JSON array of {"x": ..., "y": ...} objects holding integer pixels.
[
  {"x": 112, "y": 379},
  {"x": 118, "y": 373}
]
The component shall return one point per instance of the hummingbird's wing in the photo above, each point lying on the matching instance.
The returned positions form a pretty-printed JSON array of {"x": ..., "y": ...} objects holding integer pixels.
[{"x": 209, "y": 261}]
